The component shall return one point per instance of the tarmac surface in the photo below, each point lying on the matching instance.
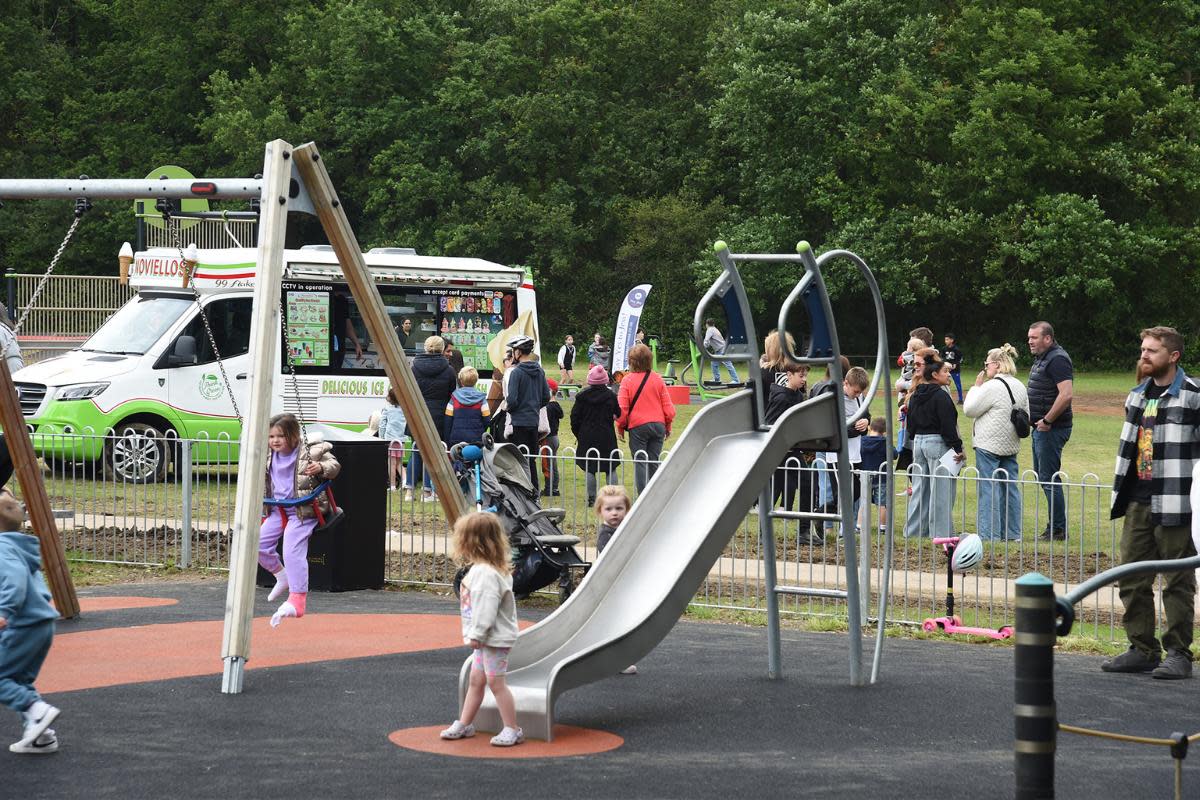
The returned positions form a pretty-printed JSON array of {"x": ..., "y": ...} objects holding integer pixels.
[{"x": 327, "y": 697}]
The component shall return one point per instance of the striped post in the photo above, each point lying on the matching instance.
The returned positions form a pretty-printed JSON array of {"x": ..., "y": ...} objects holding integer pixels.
[{"x": 1034, "y": 711}]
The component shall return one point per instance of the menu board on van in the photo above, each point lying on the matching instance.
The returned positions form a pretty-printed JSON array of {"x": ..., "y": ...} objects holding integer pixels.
[{"x": 308, "y": 316}]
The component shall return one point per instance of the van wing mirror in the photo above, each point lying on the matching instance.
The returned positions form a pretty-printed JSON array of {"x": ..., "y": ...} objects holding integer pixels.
[{"x": 183, "y": 353}]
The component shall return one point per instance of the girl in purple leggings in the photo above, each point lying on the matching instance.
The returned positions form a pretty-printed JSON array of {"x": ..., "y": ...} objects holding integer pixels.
[{"x": 292, "y": 471}]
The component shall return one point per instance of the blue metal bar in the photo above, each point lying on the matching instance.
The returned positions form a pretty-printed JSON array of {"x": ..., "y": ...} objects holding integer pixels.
[{"x": 297, "y": 501}]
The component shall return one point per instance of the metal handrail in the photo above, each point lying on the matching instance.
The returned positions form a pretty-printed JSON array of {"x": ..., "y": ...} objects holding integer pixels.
[{"x": 1065, "y": 604}]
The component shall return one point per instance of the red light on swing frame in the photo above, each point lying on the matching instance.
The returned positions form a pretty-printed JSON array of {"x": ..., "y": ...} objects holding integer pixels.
[{"x": 204, "y": 188}]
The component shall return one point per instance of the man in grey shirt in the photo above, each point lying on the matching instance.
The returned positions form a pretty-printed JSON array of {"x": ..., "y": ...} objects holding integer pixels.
[{"x": 714, "y": 343}]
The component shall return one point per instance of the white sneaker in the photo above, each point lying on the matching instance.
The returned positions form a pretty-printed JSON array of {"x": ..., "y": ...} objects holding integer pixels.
[
  {"x": 458, "y": 731},
  {"x": 508, "y": 737},
  {"x": 286, "y": 609},
  {"x": 429, "y": 498},
  {"x": 281, "y": 586},
  {"x": 630, "y": 670},
  {"x": 44, "y": 744},
  {"x": 37, "y": 719}
]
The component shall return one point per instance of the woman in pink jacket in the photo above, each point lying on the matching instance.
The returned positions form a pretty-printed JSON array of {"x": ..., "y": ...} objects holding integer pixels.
[{"x": 646, "y": 412}]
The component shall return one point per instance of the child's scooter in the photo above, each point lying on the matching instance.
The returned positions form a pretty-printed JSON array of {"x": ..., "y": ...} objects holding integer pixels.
[
  {"x": 472, "y": 456},
  {"x": 971, "y": 555}
]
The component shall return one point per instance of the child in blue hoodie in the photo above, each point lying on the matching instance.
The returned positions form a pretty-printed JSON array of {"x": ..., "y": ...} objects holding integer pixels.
[
  {"x": 26, "y": 629},
  {"x": 467, "y": 412}
]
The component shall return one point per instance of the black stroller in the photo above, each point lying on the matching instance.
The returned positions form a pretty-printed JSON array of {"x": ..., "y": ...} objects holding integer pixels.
[{"x": 542, "y": 553}]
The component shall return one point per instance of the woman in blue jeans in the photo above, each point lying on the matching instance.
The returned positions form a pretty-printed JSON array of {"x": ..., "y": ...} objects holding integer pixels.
[
  {"x": 933, "y": 425},
  {"x": 990, "y": 402}
]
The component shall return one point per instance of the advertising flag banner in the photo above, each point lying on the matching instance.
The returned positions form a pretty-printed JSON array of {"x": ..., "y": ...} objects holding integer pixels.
[{"x": 627, "y": 325}]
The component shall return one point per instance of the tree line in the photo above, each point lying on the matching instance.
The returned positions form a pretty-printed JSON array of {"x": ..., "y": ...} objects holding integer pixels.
[{"x": 994, "y": 162}]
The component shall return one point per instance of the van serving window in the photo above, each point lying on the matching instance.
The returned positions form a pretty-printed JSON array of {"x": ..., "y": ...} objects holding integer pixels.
[{"x": 326, "y": 333}]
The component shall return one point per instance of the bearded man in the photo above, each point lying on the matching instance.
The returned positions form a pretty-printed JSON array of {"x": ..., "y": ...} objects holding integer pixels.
[{"x": 1151, "y": 491}]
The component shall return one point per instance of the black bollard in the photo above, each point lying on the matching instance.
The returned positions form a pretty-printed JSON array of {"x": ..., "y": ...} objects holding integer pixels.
[{"x": 1036, "y": 720}]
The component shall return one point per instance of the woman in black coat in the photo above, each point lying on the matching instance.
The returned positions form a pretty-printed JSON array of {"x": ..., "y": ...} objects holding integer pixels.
[
  {"x": 592, "y": 417},
  {"x": 436, "y": 380}
]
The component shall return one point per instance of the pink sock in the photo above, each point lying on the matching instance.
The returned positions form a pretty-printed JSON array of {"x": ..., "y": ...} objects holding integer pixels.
[{"x": 298, "y": 601}]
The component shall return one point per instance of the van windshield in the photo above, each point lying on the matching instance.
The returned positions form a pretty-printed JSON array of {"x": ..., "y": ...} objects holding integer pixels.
[{"x": 137, "y": 325}]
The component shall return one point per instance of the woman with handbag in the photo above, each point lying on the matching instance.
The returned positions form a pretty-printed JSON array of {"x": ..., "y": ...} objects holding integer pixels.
[
  {"x": 646, "y": 412},
  {"x": 991, "y": 402},
  {"x": 933, "y": 425}
]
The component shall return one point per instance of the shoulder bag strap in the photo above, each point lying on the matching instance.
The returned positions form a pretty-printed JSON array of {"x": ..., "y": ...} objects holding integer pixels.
[
  {"x": 638, "y": 393},
  {"x": 1008, "y": 389}
]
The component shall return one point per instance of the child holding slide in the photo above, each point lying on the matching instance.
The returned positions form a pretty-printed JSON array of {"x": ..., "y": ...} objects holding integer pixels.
[
  {"x": 612, "y": 504},
  {"x": 489, "y": 622},
  {"x": 292, "y": 472}
]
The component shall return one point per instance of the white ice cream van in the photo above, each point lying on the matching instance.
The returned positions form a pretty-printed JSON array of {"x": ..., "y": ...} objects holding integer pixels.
[{"x": 149, "y": 373}]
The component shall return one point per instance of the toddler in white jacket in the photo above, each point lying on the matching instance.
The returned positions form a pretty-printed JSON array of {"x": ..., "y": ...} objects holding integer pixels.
[{"x": 489, "y": 622}]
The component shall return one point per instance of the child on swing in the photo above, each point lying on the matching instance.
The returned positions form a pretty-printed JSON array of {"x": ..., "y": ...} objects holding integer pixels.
[
  {"x": 292, "y": 472},
  {"x": 489, "y": 622}
]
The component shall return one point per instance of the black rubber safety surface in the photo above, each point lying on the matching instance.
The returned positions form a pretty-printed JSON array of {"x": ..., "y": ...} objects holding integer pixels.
[{"x": 700, "y": 720}]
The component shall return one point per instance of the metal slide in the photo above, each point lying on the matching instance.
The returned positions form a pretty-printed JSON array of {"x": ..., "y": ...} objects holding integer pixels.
[{"x": 643, "y": 582}]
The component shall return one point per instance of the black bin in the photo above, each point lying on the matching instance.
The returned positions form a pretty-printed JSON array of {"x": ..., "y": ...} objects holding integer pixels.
[{"x": 349, "y": 555}]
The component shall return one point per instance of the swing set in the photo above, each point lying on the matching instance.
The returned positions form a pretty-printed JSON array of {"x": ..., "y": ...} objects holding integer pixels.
[{"x": 293, "y": 179}]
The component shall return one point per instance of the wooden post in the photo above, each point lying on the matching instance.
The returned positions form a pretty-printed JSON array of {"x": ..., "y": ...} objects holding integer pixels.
[
  {"x": 370, "y": 306},
  {"x": 252, "y": 460},
  {"x": 37, "y": 503}
]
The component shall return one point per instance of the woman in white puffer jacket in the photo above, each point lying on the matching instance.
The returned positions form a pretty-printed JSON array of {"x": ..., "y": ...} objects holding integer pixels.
[{"x": 990, "y": 403}]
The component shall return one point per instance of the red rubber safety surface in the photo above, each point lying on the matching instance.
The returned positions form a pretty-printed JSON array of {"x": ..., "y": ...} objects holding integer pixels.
[
  {"x": 116, "y": 656},
  {"x": 568, "y": 741},
  {"x": 93, "y": 604}
]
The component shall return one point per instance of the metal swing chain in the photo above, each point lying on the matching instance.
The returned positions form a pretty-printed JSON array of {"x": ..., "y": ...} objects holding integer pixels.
[
  {"x": 287, "y": 353},
  {"x": 174, "y": 228},
  {"x": 82, "y": 205}
]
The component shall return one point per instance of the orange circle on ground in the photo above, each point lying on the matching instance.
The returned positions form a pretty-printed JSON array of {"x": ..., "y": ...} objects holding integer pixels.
[
  {"x": 568, "y": 741},
  {"x": 87, "y": 604}
]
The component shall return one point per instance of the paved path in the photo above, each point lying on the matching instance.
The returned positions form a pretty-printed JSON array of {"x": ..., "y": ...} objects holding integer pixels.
[{"x": 926, "y": 588}]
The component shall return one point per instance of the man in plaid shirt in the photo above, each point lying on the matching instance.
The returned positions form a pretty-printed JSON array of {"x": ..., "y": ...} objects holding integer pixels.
[{"x": 1160, "y": 443}]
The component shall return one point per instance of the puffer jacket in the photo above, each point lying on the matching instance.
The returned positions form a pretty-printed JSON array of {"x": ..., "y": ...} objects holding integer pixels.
[
  {"x": 319, "y": 452},
  {"x": 436, "y": 380}
]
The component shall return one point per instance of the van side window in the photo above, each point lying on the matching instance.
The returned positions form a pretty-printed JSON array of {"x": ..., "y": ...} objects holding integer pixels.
[{"x": 229, "y": 319}]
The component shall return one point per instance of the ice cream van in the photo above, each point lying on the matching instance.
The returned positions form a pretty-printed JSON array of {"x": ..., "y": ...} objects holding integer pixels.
[{"x": 150, "y": 374}]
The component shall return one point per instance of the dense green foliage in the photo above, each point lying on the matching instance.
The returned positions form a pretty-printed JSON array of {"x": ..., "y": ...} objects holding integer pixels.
[{"x": 994, "y": 162}]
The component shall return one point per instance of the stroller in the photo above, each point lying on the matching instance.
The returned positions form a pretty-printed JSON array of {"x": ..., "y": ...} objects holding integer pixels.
[{"x": 542, "y": 553}]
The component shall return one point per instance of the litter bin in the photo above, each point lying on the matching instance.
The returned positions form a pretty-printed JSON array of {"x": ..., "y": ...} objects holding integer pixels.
[{"x": 350, "y": 554}]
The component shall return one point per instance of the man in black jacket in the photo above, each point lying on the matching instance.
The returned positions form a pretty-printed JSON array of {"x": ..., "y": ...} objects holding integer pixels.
[
  {"x": 528, "y": 393},
  {"x": 436, "y": 380},
  {"x": 1051, "y": 382}
]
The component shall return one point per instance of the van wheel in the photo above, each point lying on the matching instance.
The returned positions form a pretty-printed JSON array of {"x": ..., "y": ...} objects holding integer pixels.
[{"x": 138, "y": 453}]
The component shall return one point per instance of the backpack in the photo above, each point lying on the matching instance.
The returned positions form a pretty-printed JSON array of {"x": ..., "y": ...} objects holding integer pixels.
[{"x": 1019, "y": 416}]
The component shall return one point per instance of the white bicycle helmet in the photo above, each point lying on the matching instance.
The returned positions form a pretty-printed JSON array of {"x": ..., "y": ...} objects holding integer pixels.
[
  {"x": 967, "y": 554},
  {"x": 520, "y": 343}
]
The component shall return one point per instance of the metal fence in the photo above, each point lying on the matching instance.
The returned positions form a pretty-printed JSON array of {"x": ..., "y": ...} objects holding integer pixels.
[
  {"x": 187, "y": 520},
  {"x": 69, "y": 305}
]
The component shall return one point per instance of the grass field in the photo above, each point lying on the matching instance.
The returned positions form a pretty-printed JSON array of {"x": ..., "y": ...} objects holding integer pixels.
[{"x": 1098, "y": 406}]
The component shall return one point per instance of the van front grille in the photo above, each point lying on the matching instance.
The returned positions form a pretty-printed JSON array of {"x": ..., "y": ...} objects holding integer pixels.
[{"x": 31, "y": 396}]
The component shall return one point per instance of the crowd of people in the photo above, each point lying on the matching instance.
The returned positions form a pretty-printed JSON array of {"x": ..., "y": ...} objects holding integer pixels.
[{"x": 521, "y": 407}]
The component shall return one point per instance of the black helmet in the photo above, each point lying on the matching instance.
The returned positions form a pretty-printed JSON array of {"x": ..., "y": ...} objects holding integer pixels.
[{"x": 520, "y": 343}]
